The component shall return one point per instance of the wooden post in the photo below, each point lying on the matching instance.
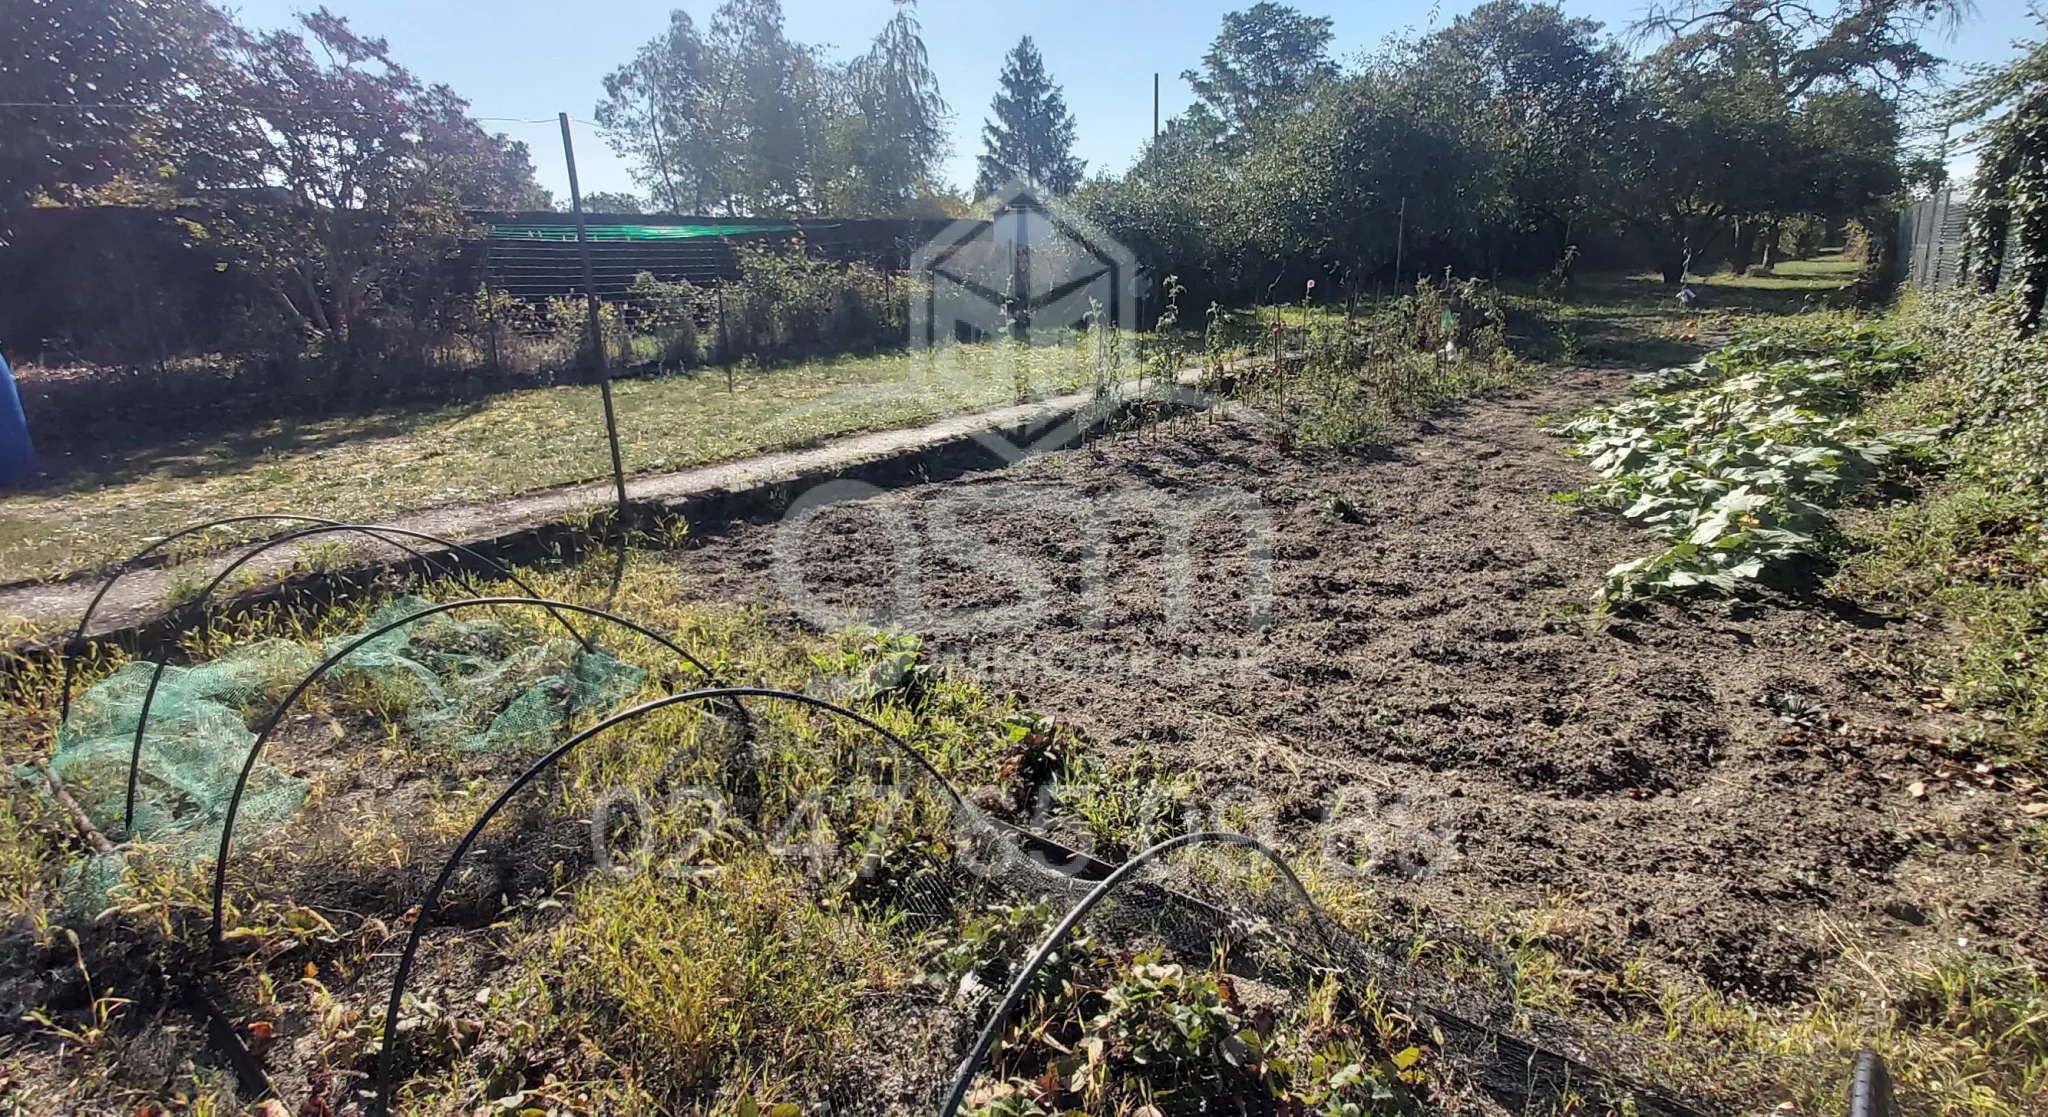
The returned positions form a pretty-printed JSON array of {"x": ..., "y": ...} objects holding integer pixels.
[
  {"x": 1400, "y": 242},
  {"x": 604, "y": 379},
  {"x": 724, "y": 340},
  {"x": 491, "y": 328}
]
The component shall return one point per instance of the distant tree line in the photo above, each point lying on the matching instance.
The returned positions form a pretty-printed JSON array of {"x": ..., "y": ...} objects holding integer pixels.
[
  {"x": 327, "y": 186},
  {"x": 1519, "y": 140}
]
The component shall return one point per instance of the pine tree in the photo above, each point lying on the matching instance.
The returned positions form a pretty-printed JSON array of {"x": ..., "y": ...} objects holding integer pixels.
[{"x": 1032, "y": 134}]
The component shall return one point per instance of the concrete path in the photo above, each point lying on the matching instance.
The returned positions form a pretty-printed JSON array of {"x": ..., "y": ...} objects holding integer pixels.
[{"x": 984, "y": 439}]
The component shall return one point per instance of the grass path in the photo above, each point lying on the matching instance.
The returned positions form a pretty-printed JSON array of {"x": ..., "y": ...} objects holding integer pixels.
[{"x": 370, "y": 468}]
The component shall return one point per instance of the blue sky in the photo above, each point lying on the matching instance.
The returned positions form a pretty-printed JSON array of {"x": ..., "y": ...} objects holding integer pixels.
[{"x": 529, "y": 59}]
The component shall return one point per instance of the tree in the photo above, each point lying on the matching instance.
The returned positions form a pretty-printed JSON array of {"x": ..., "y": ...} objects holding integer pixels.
[
  {"x": 340, "y": 179},
  {"x": 730, "y": 120},
  {"x": 653, "y": 116},
  {"x": 64, "y": 62},
  {"x": 899, "y": 134},
  {"x": 1174, "y": 207},
  {"x": 2007, "y": 109},
  {"x": 613, "y": 201},
  {"x": 741, "y": 120},
  {"x": 768, "y": 111},
  {"x": 1801, "y": 51},
  {"x": 1263, "y": 62},
  {"x": 1541, "y": 95},
  {"x": 1032, "y": 134},
  {"x": 1700, "y": 145},
  {"x": 1801, "y": 45}
]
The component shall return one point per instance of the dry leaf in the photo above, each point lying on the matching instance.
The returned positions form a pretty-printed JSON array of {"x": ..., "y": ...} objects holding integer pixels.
[
  {"x": 2034, "y": 808},
  {"x": 1917, "y": 789}
]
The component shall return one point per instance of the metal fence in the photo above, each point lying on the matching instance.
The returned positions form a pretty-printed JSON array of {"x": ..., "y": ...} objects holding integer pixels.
[{"x": 1931, "y": 238}]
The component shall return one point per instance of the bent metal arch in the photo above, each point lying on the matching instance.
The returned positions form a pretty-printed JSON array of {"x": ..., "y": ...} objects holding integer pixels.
[
  {"x": 964, "y": 1078},
  {"x": 227, "y": 831},
  {"x": 386, "y": 1059},
  {"x": 69, "y": 655},
  {"x": 129, "y": 563},
  {"x": 1532, "y": 1068},
  {"x": 383, "y": 534}
]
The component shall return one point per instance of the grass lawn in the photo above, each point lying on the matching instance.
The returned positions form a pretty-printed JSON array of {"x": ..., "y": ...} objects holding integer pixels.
[
  {"x": 372, "y": 467},
  {"x": 1796, "y": 285}
]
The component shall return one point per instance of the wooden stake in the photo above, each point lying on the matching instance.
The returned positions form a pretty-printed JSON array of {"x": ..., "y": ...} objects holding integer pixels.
[{"x": 79, "y": 818}]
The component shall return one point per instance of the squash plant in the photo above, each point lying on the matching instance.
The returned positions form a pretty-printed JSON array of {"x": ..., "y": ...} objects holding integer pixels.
[{"x": 1735, "y": 460}]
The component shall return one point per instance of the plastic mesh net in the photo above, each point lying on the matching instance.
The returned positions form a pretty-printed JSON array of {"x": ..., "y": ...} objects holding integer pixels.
[
  {"x": 477, "y": 684},
  {"x": 462, "y": 684}
]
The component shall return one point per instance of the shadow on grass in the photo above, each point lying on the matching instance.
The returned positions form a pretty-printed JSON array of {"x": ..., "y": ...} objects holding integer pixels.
[
  {"x": 93, "y": 432},
  {"x": 118, "y": 450}
]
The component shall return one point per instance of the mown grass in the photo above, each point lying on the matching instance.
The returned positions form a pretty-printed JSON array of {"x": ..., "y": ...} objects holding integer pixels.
[
  {"x": 1793, "y": 286},
  {"x": 369, "y": 468}
]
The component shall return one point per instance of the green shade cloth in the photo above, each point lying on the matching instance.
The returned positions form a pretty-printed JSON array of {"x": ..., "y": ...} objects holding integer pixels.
[{"x": 552, "y": 232}]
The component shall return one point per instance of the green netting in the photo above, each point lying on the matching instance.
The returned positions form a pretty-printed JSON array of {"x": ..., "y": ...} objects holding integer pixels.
[
  {"x": 197, "y": 739},
  {"x": 637, "y": 232},
  {"x": 475, "y": 684},
  {"x": 463, "y": 684}
]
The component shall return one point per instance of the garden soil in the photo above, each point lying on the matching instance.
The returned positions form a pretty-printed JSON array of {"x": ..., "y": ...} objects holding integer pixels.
[{"x": 1391, "y": 658}]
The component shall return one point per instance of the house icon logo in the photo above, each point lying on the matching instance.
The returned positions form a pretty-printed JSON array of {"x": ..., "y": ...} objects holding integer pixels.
[{"x": 1037, "y": 274}]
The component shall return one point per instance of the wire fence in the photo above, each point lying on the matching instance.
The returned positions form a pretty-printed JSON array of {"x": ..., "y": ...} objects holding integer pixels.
[{"x": 1933, "y": 236}]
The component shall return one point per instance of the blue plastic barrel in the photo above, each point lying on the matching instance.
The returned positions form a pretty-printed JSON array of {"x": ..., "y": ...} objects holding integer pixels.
[{"x": 17, "y": 457}]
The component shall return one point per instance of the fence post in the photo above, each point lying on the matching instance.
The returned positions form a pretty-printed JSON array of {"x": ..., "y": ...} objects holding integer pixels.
[
  {"x": 604, "y": 378},
  {"x": 1400, "y": 243},
  {"x": 1928, "y": 221}
]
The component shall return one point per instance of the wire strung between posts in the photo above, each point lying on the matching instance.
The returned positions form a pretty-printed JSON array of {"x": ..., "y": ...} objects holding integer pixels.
[{"x": 386, "y": 1055}]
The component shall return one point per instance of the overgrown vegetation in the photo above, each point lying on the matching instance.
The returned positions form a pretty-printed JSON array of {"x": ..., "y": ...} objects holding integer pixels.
[
  {"x": 1971, "y": 552},
  {"x": 2007, "y": 242},
  {"x": 713, "y": 961},
  {"x": 769, "y": 913},
  {"x": 1342, "y": 378},
  {"x": 1756, "y": 466}
]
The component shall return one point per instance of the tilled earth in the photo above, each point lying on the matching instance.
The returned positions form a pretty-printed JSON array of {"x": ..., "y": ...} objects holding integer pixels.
[{"x": 1392, "y": 657}]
